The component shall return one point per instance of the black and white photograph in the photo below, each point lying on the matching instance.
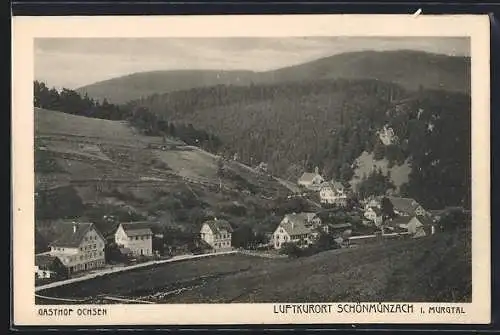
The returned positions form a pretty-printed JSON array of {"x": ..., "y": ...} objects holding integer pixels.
[{"x": 252, "y": 170}]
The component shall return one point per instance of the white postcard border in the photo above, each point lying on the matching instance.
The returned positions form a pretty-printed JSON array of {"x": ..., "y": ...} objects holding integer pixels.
[{"x": 25, "y": 29}]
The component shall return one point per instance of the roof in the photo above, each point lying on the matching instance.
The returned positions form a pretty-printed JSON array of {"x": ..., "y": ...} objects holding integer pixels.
[
  {"x": 407, "y": 205},
  {"x": 396, "y": 222},
  {"x": 44, "y": 260},
  {"x": 125, "y": 251},
  {"x": 218, "y": 226},
  {"x": 294, "y": 224},
  {"x": 306, "y": 216},
  {"x": 68, "y": 236},
  {"x": 399, "y": 220},
  {"x": 137, "y": 228},
  {"x": 425, "y": 220},
  {"x": 340, "y": 225},
  {"x": 338, "y": 185},
  {"x": 308, "y": 177}
]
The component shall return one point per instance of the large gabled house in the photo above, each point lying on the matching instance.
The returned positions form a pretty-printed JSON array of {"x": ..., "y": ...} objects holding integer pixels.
[
  {"x": 311, "y": 181},
  {"x": 79, "y": 246},
  {"x": 407, "y": 207},
  {"x": 333, "y": 193},
  {"x": 217, "y": 233},
  {"x": 294, "y": 228}
]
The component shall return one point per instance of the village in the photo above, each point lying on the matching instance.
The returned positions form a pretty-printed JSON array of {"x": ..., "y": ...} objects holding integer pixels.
[{"x": 80, "y": 249}]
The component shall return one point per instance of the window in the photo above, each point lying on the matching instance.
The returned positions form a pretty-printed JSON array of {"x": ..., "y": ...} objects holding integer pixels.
[
  {"x": 142, "y": 238},
  {"x": 95, "y": 246},
  {"x": 137, "y": 238}
]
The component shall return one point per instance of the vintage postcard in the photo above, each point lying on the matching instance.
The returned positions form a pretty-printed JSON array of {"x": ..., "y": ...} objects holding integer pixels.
[{"x": 209, "y": 170}]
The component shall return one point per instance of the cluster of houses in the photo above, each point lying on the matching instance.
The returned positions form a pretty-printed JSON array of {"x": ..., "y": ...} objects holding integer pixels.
[
  {"x": 409, "y": 219},
  {"x": 330, "y": 192},
  {"x": 80, "y": 247}
]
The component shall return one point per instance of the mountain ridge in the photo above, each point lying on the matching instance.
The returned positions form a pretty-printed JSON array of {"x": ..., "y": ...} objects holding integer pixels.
[{"x": 408, "y": 68}]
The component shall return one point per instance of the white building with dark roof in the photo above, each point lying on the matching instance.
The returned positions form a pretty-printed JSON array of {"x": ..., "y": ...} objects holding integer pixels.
[
  {"x": 137, "y": 237},
  {"x": 217, "y": 233},
  {"x": 295, "y": 228},
  {"x": 333, "y": 193},
  {"x": 311, "y": 181}
]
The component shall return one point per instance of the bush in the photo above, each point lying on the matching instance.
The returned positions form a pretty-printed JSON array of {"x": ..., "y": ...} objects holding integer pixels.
[{"x": 291, "y": 250}]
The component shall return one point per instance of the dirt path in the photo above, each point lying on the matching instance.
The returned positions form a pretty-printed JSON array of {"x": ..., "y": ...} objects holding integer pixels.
[{"x": 127, "y": 268}]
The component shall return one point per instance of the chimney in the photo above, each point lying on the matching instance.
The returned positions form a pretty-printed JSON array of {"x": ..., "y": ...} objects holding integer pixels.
[{"x": 74, "y": 227}]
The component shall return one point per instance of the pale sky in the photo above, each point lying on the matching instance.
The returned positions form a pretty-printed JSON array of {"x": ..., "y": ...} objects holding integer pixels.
[{"x": 75, "y": 62}]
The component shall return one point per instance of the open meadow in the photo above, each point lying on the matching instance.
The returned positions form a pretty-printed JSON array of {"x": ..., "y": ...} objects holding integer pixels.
[{"x": 431, "y": 269}]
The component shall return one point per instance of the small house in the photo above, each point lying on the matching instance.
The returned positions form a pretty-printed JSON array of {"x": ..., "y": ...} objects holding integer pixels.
[
  {"x": 311, "y": 181},
  {"x": 217, "y": 233},
  {"x": 48, "y": 266},
  {"x": 416, "y": 226},
  {"x": 387, "y": 136},
  {"x": 137, "y": 237},
  {"x": 374, "y": 214},
  {"x": 372, "y": 202}
]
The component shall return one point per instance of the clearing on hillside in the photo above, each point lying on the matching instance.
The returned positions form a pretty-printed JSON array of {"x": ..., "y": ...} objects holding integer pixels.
[{"x": 366, "y": 163}]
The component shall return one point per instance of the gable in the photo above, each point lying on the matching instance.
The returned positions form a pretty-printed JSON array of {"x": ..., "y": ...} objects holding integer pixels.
[
  {"x": 280, "y": 230},
  {"x": 70, "y": 234},
  {"x": 205, "y": 229},
  {"x": 120, "y": 233},
  {"x": 92, "y": 236}
]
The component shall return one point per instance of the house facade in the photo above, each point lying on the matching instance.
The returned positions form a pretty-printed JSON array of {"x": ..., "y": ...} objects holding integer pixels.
[
  {"x": 333, "y": 194},
  {"x": 296, "y": 228},
  {"x": 374, "y": 214},
  {"x": 79, "y": 247},
  {"x": 137, "y": 237},
  {"x": 217, "y": 233},
  {"x": 372, "y": 202},
  {"x": 311, "y": 181},
  {"x": 387, "y": 136}
]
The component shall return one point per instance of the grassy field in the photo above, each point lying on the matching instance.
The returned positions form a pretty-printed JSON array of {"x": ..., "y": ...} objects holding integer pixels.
[
  {"x": 399, "y": 173},
  {"x": 432, "y": 269}
]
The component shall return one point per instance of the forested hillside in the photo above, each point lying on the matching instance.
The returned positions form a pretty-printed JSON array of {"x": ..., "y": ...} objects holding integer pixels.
[
  {"x": 410, "y": 69},
  {"x": 329, "y": 123},
  {"x": 297, "y": 125}
]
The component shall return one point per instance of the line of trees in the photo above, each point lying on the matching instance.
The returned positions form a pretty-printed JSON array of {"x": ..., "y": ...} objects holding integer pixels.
[{"x": 151, "y": 124}]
